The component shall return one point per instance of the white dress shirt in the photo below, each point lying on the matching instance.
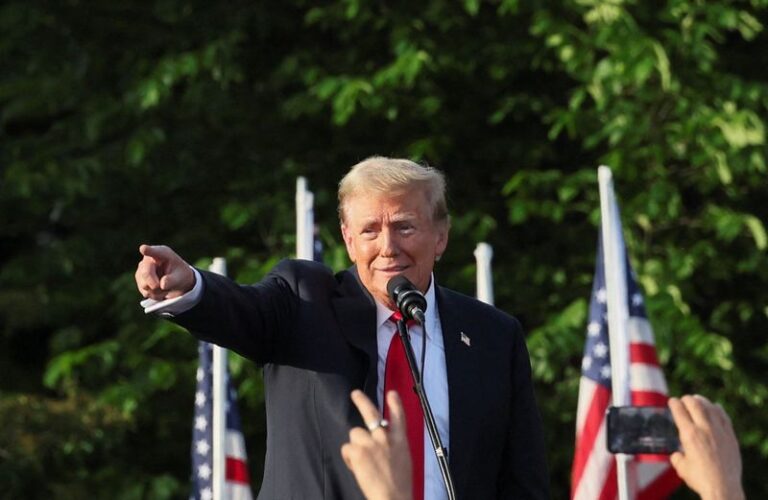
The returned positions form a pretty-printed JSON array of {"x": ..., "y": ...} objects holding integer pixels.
[{"x": 435, "y": 380}]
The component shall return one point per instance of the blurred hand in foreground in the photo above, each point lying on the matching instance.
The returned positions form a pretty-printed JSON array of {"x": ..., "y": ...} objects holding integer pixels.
[
  {"x": 379, "y": 458},
  {"x": 709, "y": 461}
]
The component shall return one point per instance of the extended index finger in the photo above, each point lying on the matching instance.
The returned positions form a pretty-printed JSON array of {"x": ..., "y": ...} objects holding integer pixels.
[
  {"x": 365, "y": 406},
  {"x": 158, "y": 252}
]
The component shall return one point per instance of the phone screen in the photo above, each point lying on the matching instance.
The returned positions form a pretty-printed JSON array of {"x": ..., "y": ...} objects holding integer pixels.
[{"x": 641, "y": 429}]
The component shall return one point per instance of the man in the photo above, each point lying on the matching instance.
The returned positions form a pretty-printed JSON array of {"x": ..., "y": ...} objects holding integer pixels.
[{"x": 319, "y": 336}]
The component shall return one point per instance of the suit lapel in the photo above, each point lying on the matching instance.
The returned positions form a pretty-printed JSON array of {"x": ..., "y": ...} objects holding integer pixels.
[
  {"x": 356, "y": 315},
  {"x": 461, "y": 363}
]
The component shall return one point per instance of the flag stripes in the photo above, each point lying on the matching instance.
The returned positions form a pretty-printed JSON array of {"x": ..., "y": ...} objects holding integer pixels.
[{"x": 594, "y": 470}]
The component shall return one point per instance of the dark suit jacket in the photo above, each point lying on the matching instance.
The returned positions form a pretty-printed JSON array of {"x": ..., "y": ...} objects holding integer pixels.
[{"x": 315, "y": 335}]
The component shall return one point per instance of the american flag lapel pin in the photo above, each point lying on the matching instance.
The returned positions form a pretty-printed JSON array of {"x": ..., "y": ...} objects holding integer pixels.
[{"x": 465, "y": 339}]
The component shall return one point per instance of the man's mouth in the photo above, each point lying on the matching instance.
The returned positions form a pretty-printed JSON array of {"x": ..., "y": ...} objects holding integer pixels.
[{"x": 393, "y": 269}]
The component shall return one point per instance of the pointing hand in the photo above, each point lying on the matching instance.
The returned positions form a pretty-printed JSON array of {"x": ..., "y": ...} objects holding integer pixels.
[{"x": 162, "y": 273}]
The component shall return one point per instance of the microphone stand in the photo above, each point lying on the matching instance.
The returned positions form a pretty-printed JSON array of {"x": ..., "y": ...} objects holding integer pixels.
[{"x": 429, "y": 418}]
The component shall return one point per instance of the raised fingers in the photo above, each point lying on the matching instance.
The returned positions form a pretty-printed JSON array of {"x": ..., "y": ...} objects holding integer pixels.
[
  {"x": 367, "y": 409},
  {"x": 698, "y": 407}
]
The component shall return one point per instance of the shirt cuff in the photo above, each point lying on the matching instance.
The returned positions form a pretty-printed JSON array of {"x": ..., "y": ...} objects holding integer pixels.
[{"x": 169, "y": 308}]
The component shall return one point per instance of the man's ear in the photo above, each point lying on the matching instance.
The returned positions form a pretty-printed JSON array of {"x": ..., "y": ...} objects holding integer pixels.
[
  {"x": 346, "y": 234},
  {"x": 442, "y": 240}
]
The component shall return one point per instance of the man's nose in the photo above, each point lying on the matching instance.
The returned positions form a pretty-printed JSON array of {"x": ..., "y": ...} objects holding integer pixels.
[{"x": 389, "y": 243}]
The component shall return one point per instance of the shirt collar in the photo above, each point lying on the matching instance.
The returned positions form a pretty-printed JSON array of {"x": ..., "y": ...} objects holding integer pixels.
[{"x": 383, "y": 313}]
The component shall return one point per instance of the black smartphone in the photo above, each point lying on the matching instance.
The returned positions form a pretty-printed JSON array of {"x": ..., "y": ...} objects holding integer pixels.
[{"x": 641, "y": 429}]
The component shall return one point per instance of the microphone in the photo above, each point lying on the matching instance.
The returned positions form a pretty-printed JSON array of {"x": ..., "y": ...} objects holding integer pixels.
[{"x": 409, "y": 300}]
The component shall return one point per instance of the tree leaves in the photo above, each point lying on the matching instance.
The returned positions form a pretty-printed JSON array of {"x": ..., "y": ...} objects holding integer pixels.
[{"x": 187, "y": 124}]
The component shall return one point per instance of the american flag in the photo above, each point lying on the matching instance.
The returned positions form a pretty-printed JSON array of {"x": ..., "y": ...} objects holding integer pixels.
[
  {"x": 237, "y": 485},
  {"x": 593, "y": 475}
]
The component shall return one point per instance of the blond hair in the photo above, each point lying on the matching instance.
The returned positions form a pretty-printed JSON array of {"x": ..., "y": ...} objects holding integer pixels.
[{"x": 380, "y": 174}]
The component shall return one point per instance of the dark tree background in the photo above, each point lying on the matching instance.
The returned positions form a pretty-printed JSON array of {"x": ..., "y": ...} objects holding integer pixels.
[{"x": 186, "y": 122}]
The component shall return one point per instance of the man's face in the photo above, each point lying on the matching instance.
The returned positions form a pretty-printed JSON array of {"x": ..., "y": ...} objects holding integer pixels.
[{"x": 389, "y": 234}]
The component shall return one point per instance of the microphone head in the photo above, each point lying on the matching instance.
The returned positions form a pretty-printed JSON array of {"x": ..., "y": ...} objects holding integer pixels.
[
  {"x": 407, "y": 297},
  {"x": 398, "y": 284}
]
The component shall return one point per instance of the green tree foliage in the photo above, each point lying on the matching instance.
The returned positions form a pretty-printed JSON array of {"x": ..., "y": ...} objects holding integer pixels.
[{"x": 187, "y": 122}]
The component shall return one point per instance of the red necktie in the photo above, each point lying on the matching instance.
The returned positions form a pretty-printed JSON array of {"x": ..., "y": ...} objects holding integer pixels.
[{"x": 397, "y": 377}]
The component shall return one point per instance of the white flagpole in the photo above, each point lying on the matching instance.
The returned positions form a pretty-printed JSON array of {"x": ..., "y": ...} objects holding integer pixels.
[
  {"x": 618, "y": 314},
  {"x": 483, "y": 256},
  {"x": 301, "y": 189},
  {"x": 305, "y": 220},
  {"x": 219, "y": 368},
  {"x": 309, "y": 227}
]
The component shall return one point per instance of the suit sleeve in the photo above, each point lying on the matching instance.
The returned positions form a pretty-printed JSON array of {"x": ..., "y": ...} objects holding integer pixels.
[
  {"x": 248, "y": 319},
  {"x": 524, "y": 472}
]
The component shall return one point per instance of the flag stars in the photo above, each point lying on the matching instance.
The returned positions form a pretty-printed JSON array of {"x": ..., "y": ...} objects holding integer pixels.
[
  {"x": 601, "y": 296},
  {"x": 204, "y": 472},
  {"x": 605, "y": 372},
  {"x": 637, "y": 299},
  {"x": 201, "y": 423},
  {"x": 593, "y": 329},
  {"x": 586, "y": 363},
  {"x": 600, "y": 350},
  {"x": 202, "y": 442},
  {"x": 199, "y": 399},
  {"x": 202, "y": 447}
]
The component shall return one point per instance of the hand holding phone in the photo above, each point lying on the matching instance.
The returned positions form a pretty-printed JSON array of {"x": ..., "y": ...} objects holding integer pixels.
[{"x": 711, "y": 462}]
